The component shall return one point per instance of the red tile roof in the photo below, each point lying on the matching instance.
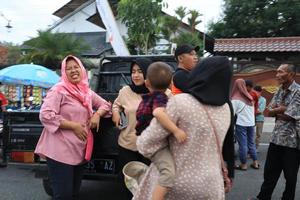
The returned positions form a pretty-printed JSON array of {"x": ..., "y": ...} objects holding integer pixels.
[{"x": 272, "y": 44}]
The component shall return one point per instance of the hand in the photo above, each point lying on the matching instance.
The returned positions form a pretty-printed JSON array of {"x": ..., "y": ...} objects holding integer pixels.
[
  {"x": 180, "y": 135},
  {"x": 79, "y": 130},
  {"x": 94, "y": 121},
  {"x": 116, "y": 118}
]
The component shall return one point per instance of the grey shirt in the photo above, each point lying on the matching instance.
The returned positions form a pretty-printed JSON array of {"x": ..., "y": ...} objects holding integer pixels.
[{"x": 286, "y": 133}]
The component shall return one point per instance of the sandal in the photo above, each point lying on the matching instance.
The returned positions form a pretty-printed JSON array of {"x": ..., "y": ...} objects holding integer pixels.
[
  {"x": 239, "y": 167},
  {"x": 254, "y": 166}
]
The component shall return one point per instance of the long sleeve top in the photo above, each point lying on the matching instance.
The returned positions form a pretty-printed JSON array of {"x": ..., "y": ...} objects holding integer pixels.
[
  {"x": 198, "y": 165},
  {"x": 128, "y": 101},
  {"x": 60, "y": 144}
]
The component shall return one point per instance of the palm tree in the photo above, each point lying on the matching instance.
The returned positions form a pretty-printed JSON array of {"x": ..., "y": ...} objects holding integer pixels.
[
  {"x": 48, "y": 49},
  {"x": 181, "y": 12},
  {"x": 193, "y": 22}
]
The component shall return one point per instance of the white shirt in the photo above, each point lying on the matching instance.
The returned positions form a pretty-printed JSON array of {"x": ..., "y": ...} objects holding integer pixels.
[{"x": 244, "y": 112}]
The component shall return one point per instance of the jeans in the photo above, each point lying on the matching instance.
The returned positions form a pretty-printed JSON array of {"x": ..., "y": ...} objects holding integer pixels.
[
  {"x": 245, "y": 138},
  {"x": 280, "y": 158},
  {"x": 65, "y": 179}
]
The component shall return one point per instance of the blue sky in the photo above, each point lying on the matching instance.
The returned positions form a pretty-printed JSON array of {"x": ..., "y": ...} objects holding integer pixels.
[{"x": 28, "y": 16}]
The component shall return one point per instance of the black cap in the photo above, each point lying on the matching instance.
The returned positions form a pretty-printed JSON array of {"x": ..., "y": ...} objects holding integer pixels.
[{"x": 185, "y": 48}]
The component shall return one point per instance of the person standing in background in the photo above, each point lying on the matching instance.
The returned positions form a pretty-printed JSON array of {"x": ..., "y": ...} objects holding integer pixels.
[
  {"x": 186, "y": 58},
  {"x": 243, "y": 107},
  {"x": 259, "y": 117},
  {"x": 284, "y": 149}
]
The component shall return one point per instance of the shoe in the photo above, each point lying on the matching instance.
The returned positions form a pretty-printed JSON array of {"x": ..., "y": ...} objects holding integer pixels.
[
  {"x": 255, "y": 166},
  {"x": 239, "y": 167}
]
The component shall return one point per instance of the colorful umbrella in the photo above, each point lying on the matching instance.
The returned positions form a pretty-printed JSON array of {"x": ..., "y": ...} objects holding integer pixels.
[{"x": 29, "y": 74}]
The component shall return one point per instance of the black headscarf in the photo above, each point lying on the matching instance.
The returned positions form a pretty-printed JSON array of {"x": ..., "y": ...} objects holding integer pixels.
[
  {"x": 210, "y": 83},
  {"x": 210, "y": 80},
  {"x": 143, "y": 63}
]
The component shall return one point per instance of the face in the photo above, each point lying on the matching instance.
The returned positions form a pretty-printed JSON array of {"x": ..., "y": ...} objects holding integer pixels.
[
  {"x": 283, "y": 76},
  {"x": 188, "y": 60},
  {"x": 137, "y": 75},
  {"x": 73, "y": 71}
]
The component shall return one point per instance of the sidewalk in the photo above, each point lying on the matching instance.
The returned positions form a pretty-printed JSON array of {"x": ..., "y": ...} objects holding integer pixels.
[{"x": 267, "y": 130}]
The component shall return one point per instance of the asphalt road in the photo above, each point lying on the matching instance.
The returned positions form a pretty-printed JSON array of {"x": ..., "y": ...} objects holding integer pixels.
[{"x": 17, "y": 181}]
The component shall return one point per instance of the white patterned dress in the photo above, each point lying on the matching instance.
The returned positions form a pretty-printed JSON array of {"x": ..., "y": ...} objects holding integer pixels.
[{"x": 198, "y": 166}]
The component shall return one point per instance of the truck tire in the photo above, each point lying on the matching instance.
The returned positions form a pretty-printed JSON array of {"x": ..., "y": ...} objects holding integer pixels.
[{"x": 47, "y": 186}]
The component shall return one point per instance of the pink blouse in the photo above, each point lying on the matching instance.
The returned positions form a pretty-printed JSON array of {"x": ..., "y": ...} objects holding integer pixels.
[{"x": 59, "y": 144}]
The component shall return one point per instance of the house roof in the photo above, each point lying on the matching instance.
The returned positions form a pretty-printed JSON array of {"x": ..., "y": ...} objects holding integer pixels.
[
  {"x": 72, "y": 5},
  {"x": 272, "y": 44}
]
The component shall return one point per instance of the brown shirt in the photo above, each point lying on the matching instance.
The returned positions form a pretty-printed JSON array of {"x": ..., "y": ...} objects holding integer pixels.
[{"x": 128, "y": 101}]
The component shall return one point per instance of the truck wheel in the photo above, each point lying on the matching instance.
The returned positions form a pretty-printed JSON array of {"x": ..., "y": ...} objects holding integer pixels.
[{"x": 47, "y": 186}]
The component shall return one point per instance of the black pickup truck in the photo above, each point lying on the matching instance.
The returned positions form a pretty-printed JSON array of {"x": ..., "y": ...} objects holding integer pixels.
[{"x": 22, "y": 129}]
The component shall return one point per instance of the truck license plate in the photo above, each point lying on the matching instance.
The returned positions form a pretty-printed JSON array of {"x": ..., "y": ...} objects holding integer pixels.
[{"x": 106, "y": 166}]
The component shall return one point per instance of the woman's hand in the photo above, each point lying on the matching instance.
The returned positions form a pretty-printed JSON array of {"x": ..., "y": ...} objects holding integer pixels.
[
  {"x": 80, "y": 131},
  {"x": 116, "y": 118},
  {"x": 94, "y": 121}
]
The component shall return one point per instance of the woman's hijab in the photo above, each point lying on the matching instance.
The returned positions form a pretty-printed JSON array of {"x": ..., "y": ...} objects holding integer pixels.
[
  {"x": 210, "y": 80},
  {"x": 79, "y": 91},
  {"x": 210, "y": 83},
  {"x": 239, "y": 92},
  {"x": 143, "y": 63}
]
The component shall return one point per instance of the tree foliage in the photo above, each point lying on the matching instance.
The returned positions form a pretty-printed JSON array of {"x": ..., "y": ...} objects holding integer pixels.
[
  {"x": 14, "y": 54},
  {"x": 258, "y": 18},
  {"x": 48, "y": 49},
  {"x": 141, "y": 18},
  {"x": 171, "y": 27}
]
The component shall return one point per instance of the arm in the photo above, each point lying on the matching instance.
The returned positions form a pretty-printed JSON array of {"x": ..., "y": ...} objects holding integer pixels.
[
  {"x": 117, "y": 108},
  {"x": 104, "y": 110},
  {"x": 160, "y": 114},
  {"x": 153, "y": 138},
  {"x": 52, "y": 120}
]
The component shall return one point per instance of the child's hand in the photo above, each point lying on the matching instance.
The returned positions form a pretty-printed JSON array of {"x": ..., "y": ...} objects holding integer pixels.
[{"x": 180, "y": 135}]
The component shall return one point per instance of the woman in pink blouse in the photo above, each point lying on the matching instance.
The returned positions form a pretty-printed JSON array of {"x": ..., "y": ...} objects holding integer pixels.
[{"x": 67, "y": 116}]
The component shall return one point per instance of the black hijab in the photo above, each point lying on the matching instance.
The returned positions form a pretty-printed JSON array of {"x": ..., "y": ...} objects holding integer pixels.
[
  {"x": 143, "y": 63},
  {"x": 210, "y": 83},
  {"x": 210, "y": 80}
]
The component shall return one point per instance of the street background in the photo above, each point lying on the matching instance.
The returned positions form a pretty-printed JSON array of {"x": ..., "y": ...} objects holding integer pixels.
[{"x": 18, "y": 181}]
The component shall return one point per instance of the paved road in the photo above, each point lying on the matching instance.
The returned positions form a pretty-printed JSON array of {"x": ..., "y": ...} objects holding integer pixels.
[{"x": 18, "y": 183}]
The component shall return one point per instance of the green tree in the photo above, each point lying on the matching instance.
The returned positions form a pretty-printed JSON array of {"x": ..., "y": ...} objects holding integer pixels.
[
  {"x": 171, "y": 27},
  {"x": 257, "y": 18},
  {"x": 48, "y": 49},
  {"x": 141, "y": 18},
  {"x": 193, "y": 19},
  {"x": 14, "y": 54}
]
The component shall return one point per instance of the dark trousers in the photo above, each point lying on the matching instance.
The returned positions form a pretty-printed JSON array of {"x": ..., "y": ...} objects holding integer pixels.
[
  {"x": 280, "y": 159},
  {"x": 125, "y": 156},
  {"x": 65, "y": 179}
]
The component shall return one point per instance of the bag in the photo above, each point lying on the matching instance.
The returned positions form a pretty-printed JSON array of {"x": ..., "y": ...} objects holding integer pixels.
[
  {"x": 134, "y": 172},
  {"x": 227, "y": 181}
]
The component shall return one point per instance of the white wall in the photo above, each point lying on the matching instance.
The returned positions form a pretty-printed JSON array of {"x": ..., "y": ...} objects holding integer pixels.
[{"x": 76, "y": 23}]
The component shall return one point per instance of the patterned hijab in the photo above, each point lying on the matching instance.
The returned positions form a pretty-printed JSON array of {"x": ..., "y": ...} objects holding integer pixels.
[
  {"x": 239, "y": 92},
  {"x": 79, "y": 91},
  {"x": 143, "y": 63}
]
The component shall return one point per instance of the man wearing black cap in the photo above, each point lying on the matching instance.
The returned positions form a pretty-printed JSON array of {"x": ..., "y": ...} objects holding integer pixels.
[{"x": 186, "y": 58}]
